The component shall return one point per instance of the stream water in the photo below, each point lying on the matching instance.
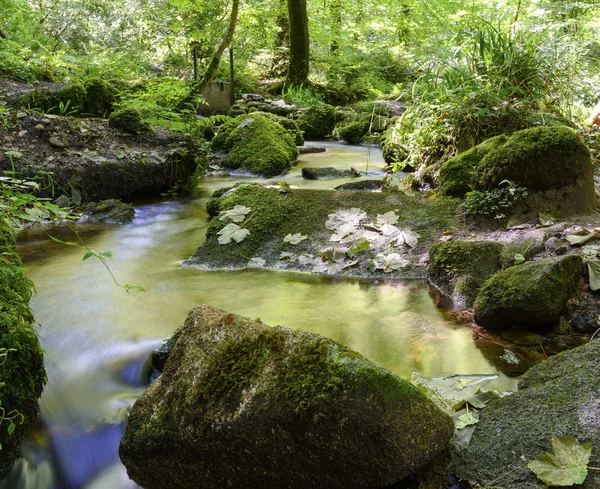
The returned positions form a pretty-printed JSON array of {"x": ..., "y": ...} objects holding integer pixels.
[{"x": 97, "y": 337}]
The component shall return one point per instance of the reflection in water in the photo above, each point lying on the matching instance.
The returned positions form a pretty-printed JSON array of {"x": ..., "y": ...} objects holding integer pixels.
[{"x": 97, "y": 337}]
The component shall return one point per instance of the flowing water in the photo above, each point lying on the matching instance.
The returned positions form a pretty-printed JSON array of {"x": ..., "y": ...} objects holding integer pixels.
[{"x": 97, "y": 337}]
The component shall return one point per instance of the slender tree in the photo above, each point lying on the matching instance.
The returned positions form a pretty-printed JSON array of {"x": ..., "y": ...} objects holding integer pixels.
[{"x": 299, "y": 43}]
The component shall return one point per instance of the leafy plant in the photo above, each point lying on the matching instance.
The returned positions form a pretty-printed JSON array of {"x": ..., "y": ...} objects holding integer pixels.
[{"x": 496, "y": 203}]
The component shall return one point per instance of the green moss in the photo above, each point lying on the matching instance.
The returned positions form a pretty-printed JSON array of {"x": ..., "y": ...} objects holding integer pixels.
[
  {"x": 73, "y": 94},
  {"x": 101, "y": 95},
  {"x": 23, "y": 371},
  {"x": 538, "y": 158},
  {"x": 128, "y": 119},
  {"x": 458, "y": 175},
  {"x": 288, "y": 124},
  {"x": 354, "y": 132},
  {"x": 274, "y": 215},
  {"x": 528, "y": 295},
  {"x": 317, "y": 122},
  {"x": 256, "y": 144},
  {"x": 110, "y": 210},
  {"x": 213, "y": 206}
]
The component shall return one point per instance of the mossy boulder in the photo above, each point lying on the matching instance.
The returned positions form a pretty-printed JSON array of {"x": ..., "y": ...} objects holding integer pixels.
[
  {"x": 129, "y": 119},
  {"x": 552, "y": 162},
  {"x": 288, "y": 124},
  {"x": 317, "y": 122},
  {"x": 69, "y": 99},
  {"x": 558, "y": 396},
  {"x": 22, "y": 364},
  {"x": 241, "y": 404},
  {"x": 459, "y": 174},
  {"x": 354, "y": 132},
  {"x": 109, "y": 211},
  {"x": 101, "y": 96},
  {"x": 274, "y": 214},
  {"x": 529, "y": 295},
  {"x": 256, "y": 144},
  {"x": 459, "y": 268}
]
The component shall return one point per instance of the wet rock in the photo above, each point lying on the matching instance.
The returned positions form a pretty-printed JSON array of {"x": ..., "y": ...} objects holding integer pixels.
[
  {"x": 325, "y": 173},
  {"x": 459, "y": 268},
  {"x": 558, "y": 396},
  {"x": 556, "y": 246},
  {"x": 109, "y": 211},
  {"x": 528, "y": 244},
  {"x": 304, "y": 150},
  {"x": 58, "y": 142},
  {"x": 529, "y": 295},
  {"x": 585, "y": 313},
  {"x": 361, "y": 185},
  {"x": 241, "y": 404}
]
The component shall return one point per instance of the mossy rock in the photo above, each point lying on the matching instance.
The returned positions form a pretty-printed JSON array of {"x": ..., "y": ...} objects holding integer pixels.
[
  {"x": 354, "y": 132},
  {"x": 70, "y": 99},
  {"x": 129, "y": 119},
  {"x": 274, "y": 215},
  {"x": 529, "y": 295},
  {"x": 459, "y": 268},
  {"x": 458, "y": 175},
  {"x": 288, "y": 124},
  {"x": 325, "y": 173},
  {"x": 22, "y": 370},
  {"x": 73, "y": 97},
  {"x": 245, "y": 405},
  {"x": 317, "y": 122},
  {"x": 557, "y": 397},
  {"x": 101, "y": 96},
  {"x": 256, "y": 144},
  {"x": 109, "y": 211}
]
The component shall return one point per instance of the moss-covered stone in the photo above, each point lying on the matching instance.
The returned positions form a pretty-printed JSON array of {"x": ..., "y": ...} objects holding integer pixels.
[
  {"x": 256, "y": 144},
  {"x": 459, "y": 268},
  {"x": 529, "y": 295},
  {"x": 240, "y": 403},
  {"x": 354, "y": 132},
  {"x": 129, "y": 119},
  {"x": 317, "y": 122},
  {"x": 73, "y": 97},
  {"x": 22, "y": 369},
  {"x": 558, "y": 396},
  {"x": 325, "y": 173},
  {"x": 288, "y": 124},
  {"x": 101, "y": 95},
  {"x": 274, "y": 215},
  {"x": 109, "y": 211},
  {"x": 458, "y": 175}
]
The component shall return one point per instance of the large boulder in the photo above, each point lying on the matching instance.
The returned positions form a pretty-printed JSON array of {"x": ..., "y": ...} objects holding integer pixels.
[
  {"x": 317, "y": 122},
  {"x": 256, "y": 144},
  {"x": 21, "y": 358},
  {"x": 244, "y": 405},
  {"x": 558, "y": 396},
  {"x": 552, "y": 162},
  {"x": 459, "y": 268},
  {"x": 529, "y": 295}
]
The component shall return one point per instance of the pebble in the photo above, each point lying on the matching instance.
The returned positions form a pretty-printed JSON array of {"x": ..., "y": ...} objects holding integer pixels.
[{"x": 21, "y": 115}]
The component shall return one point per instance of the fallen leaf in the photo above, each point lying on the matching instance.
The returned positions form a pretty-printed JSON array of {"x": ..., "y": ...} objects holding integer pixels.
[
  {"x": 232, "y": 232},
  {"x": 237, "y": 214},
  {"x": 294, "y": 239}
]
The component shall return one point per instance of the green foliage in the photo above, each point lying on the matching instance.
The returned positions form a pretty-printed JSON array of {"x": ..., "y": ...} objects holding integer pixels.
[
  {"x": 129, "y": 119},
  {"x": 566, "y": 466},
  {"x": 496, "y": 203},
  {"x": 300, "y": 95}
]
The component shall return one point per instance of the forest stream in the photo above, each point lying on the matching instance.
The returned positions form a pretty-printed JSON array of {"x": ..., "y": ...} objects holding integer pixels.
[{"x": 97, "y": 338}]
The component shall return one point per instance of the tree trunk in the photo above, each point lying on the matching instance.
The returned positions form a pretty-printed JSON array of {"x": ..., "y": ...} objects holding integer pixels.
[
  {"x": 336, "y": 26},
  {"x": 299, "y": 43},
  {"x": 279, "y": 66},
  {"x": 214, "y": 62}
]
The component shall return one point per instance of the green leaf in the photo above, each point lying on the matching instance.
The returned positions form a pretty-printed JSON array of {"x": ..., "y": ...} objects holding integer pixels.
[
  {"x": 363, "y": 244},
  {"x": 295, "y": 238},
  {"x": 11, "y": 428},
  {"x": 134, "y": 287},
  {"x": 232, "y": 232},
  {"x": 465, "y": 420},
  {"x": 594, "y": 270},
  {"x": 519, "y": 259},
  {"x": 237, "y": 214},
  {"x": 566, "y": 466},
  {"x": 88, "y": 255}
]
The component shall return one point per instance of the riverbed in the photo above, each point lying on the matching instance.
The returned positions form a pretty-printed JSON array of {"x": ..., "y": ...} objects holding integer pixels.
[{"x": 97, "y": 337}]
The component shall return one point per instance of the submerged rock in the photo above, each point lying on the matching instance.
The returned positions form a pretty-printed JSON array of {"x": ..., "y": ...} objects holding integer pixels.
[
  {"x": 256, "y": 144},
  {"x": 558, "y": 396},
  {"x": 305, "y": 150},
  {"x": 109, "y": 211},
  {"x": 325, "y": 173},
  {"x": 361, "y": 185},
  {"x": 244, "y": 405},
  {"x": 459, "y": 268},
  {"x": 529, "y": 295}
]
